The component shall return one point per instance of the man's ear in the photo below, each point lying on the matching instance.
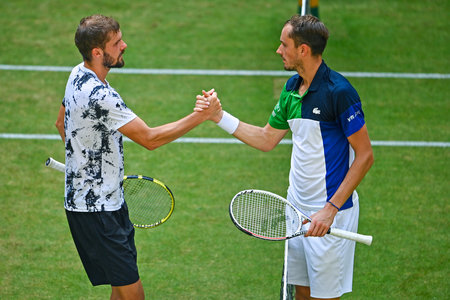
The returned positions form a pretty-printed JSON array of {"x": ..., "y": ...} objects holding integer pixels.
[
  {"x": 304, "y": 49},
  {"x": 97, "y": 52}
]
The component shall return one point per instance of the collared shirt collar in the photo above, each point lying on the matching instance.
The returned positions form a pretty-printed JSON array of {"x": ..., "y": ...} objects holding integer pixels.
[
  {"x": 318, "y": 77},
  {"x": 314, "y": 84}
]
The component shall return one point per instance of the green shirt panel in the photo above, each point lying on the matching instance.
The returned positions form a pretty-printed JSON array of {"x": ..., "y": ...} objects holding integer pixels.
[{"x": 289, "y": 107}]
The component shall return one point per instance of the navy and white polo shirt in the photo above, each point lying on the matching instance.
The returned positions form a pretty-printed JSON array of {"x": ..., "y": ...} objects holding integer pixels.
[
  {"x": 320, "y": 121},
  {"x": 94, "y": 112}
]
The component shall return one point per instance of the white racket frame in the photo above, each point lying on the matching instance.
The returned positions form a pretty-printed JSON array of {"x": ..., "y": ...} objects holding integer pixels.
[{"x": 360, "y": 238}]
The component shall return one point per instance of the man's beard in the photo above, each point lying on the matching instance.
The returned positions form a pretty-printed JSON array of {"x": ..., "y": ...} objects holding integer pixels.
[
  {"x": 294, "y": 67},
  {"x": 289, "y": 68},
  {"x": 108, "y": 61}
]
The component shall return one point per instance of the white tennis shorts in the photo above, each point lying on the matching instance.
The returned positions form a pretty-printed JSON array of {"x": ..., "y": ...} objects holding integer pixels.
[{"x": 325, "y": 264}]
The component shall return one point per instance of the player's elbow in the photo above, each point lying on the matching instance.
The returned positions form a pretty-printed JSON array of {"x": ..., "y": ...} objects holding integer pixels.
[
  {"x": 59, "y": 124},
  {"x": 369, "y": 160},
  {"x": 147, "y": 144},
  {"x": 152, "y": 141},
  {"x": 150, "y": 144},
  {"x": 266, "y": 147},
  {"x": 141, "y": 134},
  {"x": 262, "y": 145},
  {"x": 60, "y": 127},
  {"x": 268, "y": 143},
  {"x": 270, "y": 138}
]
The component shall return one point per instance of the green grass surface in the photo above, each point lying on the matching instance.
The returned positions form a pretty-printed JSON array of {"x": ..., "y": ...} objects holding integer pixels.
[{"x": 198, "y": 253}]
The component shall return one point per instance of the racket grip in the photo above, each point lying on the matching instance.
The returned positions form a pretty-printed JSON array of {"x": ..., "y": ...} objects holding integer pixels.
[
  {"x": 361, "y": 238},
  {"x": 55, "y": 165}
]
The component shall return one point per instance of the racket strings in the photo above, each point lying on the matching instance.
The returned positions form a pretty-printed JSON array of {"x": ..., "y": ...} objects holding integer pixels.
[
  {"x": 147, "y": 200},
  {"x": 264, "y": 215}
]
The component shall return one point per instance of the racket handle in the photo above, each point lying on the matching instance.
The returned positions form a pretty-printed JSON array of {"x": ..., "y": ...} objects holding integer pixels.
[
  {"x": 361, "y": 238},
  {"x": 55, "y": 165}
]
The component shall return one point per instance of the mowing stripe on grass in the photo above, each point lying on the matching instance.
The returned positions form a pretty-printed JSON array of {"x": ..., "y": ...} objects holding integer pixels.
[
  {"x": 201, "y": 140},
  {"x": 227, "y": 72}
]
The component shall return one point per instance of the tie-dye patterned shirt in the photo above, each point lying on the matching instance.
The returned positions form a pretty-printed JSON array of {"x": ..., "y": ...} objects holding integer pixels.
[{"x": 94, "y": 112}]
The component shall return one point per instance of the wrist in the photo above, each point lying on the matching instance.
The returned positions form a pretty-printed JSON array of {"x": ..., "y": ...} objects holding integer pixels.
[
  {"x": 216, "y": 118},
  {"x": 228, "y": 122},
  {"x": 333, "y": 205}
]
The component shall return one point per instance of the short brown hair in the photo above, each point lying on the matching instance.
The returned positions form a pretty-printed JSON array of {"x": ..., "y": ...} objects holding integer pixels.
[
  {"x": 308, "y": 30},
  {"x": 93, "y": 32}
]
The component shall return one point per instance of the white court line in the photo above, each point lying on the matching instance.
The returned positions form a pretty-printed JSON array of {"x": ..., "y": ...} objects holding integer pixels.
[
  {"x": 227, "y": 72},
  {"x": 187, "y": 140}
]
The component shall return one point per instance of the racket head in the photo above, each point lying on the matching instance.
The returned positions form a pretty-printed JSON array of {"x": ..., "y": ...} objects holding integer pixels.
[
  {"x": 264, "y": 215},
  {"x": 150, "y": 202}
]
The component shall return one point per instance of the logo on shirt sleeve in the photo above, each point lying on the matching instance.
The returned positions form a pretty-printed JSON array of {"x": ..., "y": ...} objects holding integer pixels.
[
  {"x": 276, "y": 110},
  {"x": 352, "y": 117}
]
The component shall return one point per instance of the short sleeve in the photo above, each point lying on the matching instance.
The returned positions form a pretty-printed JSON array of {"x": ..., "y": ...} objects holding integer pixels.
[
  {"x": 349, "y": 110},
  {"x": 111, "y": 109},
  {"x": 278, "y": 118}
]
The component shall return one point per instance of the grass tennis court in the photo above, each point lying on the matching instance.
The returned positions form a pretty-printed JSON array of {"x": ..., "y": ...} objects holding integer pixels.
[{"x": 198, "y": 253}]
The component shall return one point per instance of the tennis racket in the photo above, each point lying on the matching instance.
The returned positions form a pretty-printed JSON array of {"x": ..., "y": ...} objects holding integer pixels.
[
  {"x": 150, "y": 202},
  {"x": 269, "y": 216}
]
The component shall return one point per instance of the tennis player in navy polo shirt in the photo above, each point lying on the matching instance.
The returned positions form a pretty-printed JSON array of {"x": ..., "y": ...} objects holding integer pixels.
[{"x": 331, "y": 155}]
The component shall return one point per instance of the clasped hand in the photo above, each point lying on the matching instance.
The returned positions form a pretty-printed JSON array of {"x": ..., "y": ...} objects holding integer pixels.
[{"x": 209, "y": 104}]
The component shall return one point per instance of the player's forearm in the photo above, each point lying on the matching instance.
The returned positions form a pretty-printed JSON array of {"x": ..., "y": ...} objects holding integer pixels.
[
  {"x": 164, "y": 134},
  {"x": 256, "y": 137},
  {"x": 261, "y": 138}
]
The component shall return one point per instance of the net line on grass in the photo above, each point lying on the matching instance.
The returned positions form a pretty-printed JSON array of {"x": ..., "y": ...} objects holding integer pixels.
[
  {"x": 202, "y": 72},
  {"x": 206, "y": 140}
]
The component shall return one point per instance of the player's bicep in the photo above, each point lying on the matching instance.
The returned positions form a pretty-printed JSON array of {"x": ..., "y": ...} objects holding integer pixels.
[
  {"x": 60, "y": 122},
  {"x": 136, "y": 130},
  {"x": 360, "y": 140},
  {"x": 274, "y": 135},
  {"x": 361, "y": 144}
]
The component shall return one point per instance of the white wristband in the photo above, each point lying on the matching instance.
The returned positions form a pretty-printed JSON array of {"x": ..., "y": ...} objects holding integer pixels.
[{"x": 228, "y": 123}]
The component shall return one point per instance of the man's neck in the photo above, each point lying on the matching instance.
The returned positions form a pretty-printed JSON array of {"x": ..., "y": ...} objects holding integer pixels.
[
  {"x": 99, "y": 70},
  {"x": 307, "y": 72}
]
